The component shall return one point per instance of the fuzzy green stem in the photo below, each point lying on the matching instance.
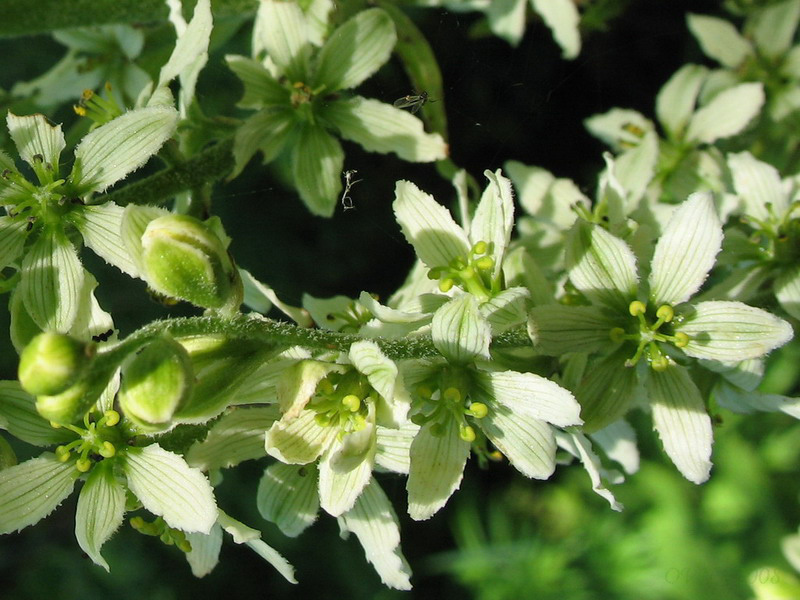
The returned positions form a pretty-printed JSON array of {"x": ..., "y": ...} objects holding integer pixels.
[{"x": 208, "y": 166}]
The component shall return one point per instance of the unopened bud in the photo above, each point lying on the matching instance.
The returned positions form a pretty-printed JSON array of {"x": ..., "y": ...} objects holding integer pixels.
[{"x": 52, "y": 362}]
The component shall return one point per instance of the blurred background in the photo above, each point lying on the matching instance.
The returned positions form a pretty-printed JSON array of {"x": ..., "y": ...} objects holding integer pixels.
[{"x": 501, "y": 536}]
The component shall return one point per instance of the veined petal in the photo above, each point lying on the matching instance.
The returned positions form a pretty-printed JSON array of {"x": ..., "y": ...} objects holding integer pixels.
[
  {"x": 101, "y": 508},
  {"x": 618, "y": 441},
  {"x": 680, "y": 418},
  {"x": 720, "y": 40},
  {"x": 39, "y": 144},
  {"x": 356, "y": 50},
  {"x": 134, "y": 222},
  {"x": 299, "y": 440},
  {"x": 52, "y": 278},
  {"x": 774, "y": 28},
  {"x": 260, "y": 87},
  {"x": 494, "y": 218},
  {"x": 787, "y": 291},
  {"x": 579, "y": 446},
  {"x": 375, "y": 524},
  {"x": 727, "y": 114},
  {"x": 385, "y": 379},
  {"x": 686, "y": 251},
  {"x": 317, "y": 160},
  {"x": 192, "y": 43},
  {"x": 676, "y": 100},
  {"x": 283, "y": 30},
  {"x": 380, "y": 127},
  {"x": 205, "y": 551},
  {"x": 437, "y": 466},
  {"x": 601, "y": 266},
  {"x": 507, "y": 309},
  {"x": 618, "y": 127},
  {"x": 527, "y": 442},
  {"x": 531, "y": 395},
  {"x": 394, "y": 446},
  {"x": 13, "y": 234},
  {"x": 732, "y": 331},
  {"x": 759, "y": 185},
  {"x": 562, "y": 17},
  {"x": 544, "y": 196},
  {"x": 101, "y": 228},
  {"x": 287, "y": 496},
  {"x": 267, "y": 130},
  {"x": 31, "y": 490},
  {"x": 388, "y": 314},
  {"x": 428, "y": 226},
  {"x": 460, "y": 332},
  {"x": 170, "y": 488},
  {"x": 235, "y": 437},
  {"x": 607, "y": 392},
  {"x": 507, "y": 19},
  {"x": 343, "y": 475},
  {"x": 110, "y": 152},
  {"x": 556, "y": 329},
  {"x": 19, "y": 417}
]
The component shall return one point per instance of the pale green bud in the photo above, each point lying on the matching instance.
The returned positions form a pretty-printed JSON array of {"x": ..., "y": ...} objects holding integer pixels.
[
  {"x": 52, "y": 362},
  {"x": 156, "y": 382},
  {"x": 185, "y": 259}
]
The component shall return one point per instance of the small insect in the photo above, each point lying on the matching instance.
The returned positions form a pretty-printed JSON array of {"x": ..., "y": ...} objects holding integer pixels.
[
  {"x": 347, "y": 201},
  {"x": 102, "y": 337},
  {"x": 414, "y": 102}
]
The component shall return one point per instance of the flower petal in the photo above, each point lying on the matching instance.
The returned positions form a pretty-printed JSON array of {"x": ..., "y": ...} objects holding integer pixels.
[
  {"x": 343, "y": 473},
  {"x": 385, "y": 379},
  {"x": 556, "y": 329},
  {"x": 774, "y": 28},
  {"x": 579, "y": 446},
  {"x": 601, "y": 266},
  {"x": 732, "y": 331},
  {"x": 437, "y": 466},
  {"x": 267, "y": 130},
  {"x": 298, "y": 440},
  {"x": 428, "y": 226},
  {"x": 375, "y": 524},
  {"x": 562, "y": 17},
  {"x": 727, "y": 114},
  {"x": 394, "y": 446},
  {"x": 39, "y": 144},
  {"x": 380, "y": 127},
  {"x": 720, "y": 40},
  {"x": 527, "y": 442},
  {"x": 759, "y": 185},
  {"x": 101, "y": 228},
  {"x": 686, "y": 251},
  {"x": 101, "y": 508},
  {"x": 787, "y": 291},
  {"x": 19, "y": 417},
  {"x": 287, "y": 496},
  {"x": 607, "y": 392},
  {"x": 676, "y": 100},
  {"x": 282, "y": 29},
  {"x": 204, "y": 555},
  {"x": 260, "y": 87},
  {"x": 680, "y": 418},
  {"x": 110, "y": 152},
  {"x": 494, "y": 218},
  {"x": 460, "y": 332},
  {"x": 31, "y": 490},
  {"x": 317, "y": 160},
  {"x": 355, "y": 50},
  {"x": 170, "y": 488}
]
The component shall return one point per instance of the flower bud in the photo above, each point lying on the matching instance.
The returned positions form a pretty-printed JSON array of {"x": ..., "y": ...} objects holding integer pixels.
[
  {"x": 183, "y": 258},
  {"x": 52, "y": 362},
  {"x": 156, "y": 382}
]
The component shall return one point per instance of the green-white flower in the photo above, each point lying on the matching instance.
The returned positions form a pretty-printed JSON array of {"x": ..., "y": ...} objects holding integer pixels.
[
  {"x": 643, "y": 333},
  {"x": 299, "y": 91}
]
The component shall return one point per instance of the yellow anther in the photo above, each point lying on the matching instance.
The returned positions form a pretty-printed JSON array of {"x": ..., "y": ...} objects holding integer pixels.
[
  {"x": 83, "y": 464},
  {"x": 478, "y": 410},
  {"x": 424, "y": 391},
  {"x": 137, "y": 522},
  {"x": 665, "y": 312},
  {"x": 466, "y": 433},
  {"x": 480, "y": 248},
  {"x": 325, "y": 387},
  {"x": 79, "y": 110},
  {"x": 322, "y": 419},
  {"x": 485, "y": 263},
  {"x": 62, "y": 453},
  {"x": 112, "y": 418},
  {"x": 496, "y": 455},
  {"x": 682, "y": 340},
  {"x": 660, "y": 363},
  {"x": 445, "y": 285},
  {"x": 637, "y": 307},
  {"x": 351, "y": 402},
  {"x": 452, "y": 394},
  {"x": 617, "y": 334},
  {"x": 107, "y": 450},
  {"x": 55, "y": 425}
]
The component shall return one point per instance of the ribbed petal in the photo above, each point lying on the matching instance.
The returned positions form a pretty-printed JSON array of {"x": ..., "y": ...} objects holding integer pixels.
[
  {"x": 556, "y": 329},
  {"x": 759, "y": 185},
  {"x": 38, "y": 143},
  {"x": 101, "y": 508},
  {"x": 317, "y": 160},
  {"x": 607, "y": 391},
  {"x": 720, "y": 40},
  {"x": 676, "y": 100},
  {"x": 727, "y": 114},
  {"x": 460, "y": 332},
  {"x": 527, "y": 442},
  {"x": 563, "y": 18},
  {"x": 787, "y": 291},
  {"x": 494, "y": 218},
  {"x": 287, "y": 496}
]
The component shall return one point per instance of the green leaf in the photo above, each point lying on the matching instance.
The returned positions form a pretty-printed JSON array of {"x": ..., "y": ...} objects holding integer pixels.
[
  {"x": 676, "y": 100},
  {"x": 110, "y": 152},
  {"x": 39, "y": 144},
  {"x": 531, "y": 395},
  {"x": 287, "y": 496},
  {"x": 428, "y": 226},
  {"x": 556, "y": 329},
  {"x": 260, "y": 87},
  {"x": 32, "y": 490},
  {"x": 680, "y": 418},
  {"x": 375, "y": 524},
  {"x": 101, "y": 508},
  {"x": 731, "y": 331},
  {"x": 720, "y": 40},
  {"x": 235, "y": 437},
  {"x": 380, "y": 127},
  {"x": 727, "y": 114},
  {"x": 460, "y": 332},
  {"x": 355, "y": 50},
  {"x": 686, "y": 251},
  {"x": 562, "y": 17},
  {"x": 317, "y": 160},
  {"x": 101, "y": 228},
  {"x": 20, "y": 419},
  {"x": 170, "y": 488},
  {"x": 527, "y": 442},
  {"x": 437, "y": 466},
  {"x": 601, "y": 266},
  {"x": 52, "y": 279}
]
